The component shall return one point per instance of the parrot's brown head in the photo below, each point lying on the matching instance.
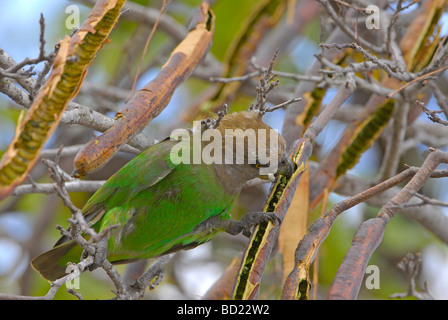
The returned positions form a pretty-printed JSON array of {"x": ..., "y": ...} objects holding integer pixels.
[{"x": 250, "y": 148}]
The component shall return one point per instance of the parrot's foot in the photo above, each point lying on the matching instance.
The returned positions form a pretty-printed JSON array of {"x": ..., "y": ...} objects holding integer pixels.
[
  {"x": 153, "y": 275},
  {"x": 100, "y": 254},
  {"x": 250, "y": 220},
  {"x": 245, "y": 225}
]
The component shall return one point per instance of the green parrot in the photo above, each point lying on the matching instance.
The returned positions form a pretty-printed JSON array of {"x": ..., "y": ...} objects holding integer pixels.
[{"x": 162, "y": 206}]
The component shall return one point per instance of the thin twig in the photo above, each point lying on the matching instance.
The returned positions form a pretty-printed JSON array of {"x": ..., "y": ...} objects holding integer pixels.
[
  {"x": 432, "y": 115},
  {"x": 148, "y": 40},
  {"x": 425, "y": 200},
  {"x": 344, "y": 92},
  {"x": 79, "y": 226},
  {"x": 420, "y": 78},
  {"x": 410, "y": 265},
  {"x": 392, "y": 156},
  {"x": 339, "y": 21},
  {"x": 152, "y": 276}
]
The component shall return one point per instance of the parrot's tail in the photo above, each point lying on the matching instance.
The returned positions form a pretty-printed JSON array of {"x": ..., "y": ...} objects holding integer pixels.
[{"x": 52, "y": 264}]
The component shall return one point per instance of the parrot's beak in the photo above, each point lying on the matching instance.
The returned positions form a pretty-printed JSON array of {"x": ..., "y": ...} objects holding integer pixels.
[{"x": 286, "y": 167}]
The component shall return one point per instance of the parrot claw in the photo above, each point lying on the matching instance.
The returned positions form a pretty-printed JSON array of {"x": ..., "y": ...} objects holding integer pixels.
[
  {"x": 253, "y": 219},
  {"x": 100, "y": 254},
  {"x": 250, "y": 220}
]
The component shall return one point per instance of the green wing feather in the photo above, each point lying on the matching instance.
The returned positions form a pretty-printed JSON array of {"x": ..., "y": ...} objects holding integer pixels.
[
  {"x": 157, "y": 206},
  {"x": 145, "y": 170}
]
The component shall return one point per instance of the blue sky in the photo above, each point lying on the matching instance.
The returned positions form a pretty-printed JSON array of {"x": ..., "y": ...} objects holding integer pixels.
[{"x": 19, "y": 25}]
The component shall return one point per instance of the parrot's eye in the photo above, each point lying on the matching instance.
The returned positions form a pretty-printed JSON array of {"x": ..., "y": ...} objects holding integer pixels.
[{"x": 258, "y": 165}]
